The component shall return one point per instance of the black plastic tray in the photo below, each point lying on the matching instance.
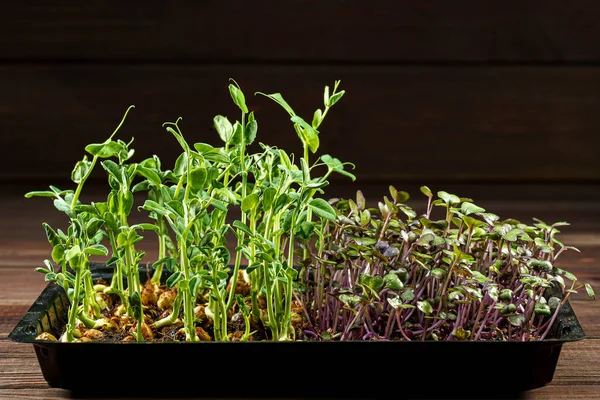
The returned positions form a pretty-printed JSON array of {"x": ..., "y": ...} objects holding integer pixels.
[{"x": 385, "y": 369}]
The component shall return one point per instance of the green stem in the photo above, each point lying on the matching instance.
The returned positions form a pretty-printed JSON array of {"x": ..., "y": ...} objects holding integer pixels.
[
  {"x": 117, "y": 279},
  {"x": 162, "y": 246},
  {"x": 73, "y": 311},
  {"x": 189, "y": 322},
  {"x": 87, "y": 321},
  {"x": 172, "y": 318},
  {"x": 270, "y": 307},
  {"x": 90, "y": 294},
  {"x": 287, "y": 317},
  {"x": 240, "y": 234},
  {"x": 220, "y": 314}
]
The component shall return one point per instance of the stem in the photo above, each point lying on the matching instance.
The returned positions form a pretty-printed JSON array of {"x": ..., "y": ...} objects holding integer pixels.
[
  {"x": 162, "y": 246},
  {"x": 74, "y": 305},
  {"x": 117, "y": 279},
  {"x": 188, "y": 302},
  {"x": 90, "y": 294},
  {"x": 240, "y": 234},
  {"x": 172, "y": 318}
]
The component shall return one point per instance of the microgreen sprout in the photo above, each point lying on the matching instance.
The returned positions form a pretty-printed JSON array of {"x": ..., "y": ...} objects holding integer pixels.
[
  {"x": 388, "y": 273},
  {"x": 302, "y": 267}
]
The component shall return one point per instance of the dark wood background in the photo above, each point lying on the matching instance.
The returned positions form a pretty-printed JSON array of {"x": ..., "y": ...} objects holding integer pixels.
[{"x": 436, "y": 92}]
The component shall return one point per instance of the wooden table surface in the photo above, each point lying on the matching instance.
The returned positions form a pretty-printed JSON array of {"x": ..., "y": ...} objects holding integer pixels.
[{"x": 23, "y": 246}]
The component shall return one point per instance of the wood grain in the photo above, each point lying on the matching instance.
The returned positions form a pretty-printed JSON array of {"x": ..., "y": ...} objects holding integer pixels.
[
  {"x": 397, "y": 124},
  {"x": 305, "y": 30}
]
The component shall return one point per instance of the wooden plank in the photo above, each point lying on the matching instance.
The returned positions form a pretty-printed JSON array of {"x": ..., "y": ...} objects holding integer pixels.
[
  {"x": 307, "y": 30},
  {"x": 570, "y": 392},
  {"x": 396, "y": 124},
  {"x": 578, "y": 363},
  {"x": 34, "y": 390}
]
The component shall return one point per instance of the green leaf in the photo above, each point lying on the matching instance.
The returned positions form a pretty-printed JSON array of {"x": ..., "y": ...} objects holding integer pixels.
[
  {"x": 399, "y": 197},
  {"x": 238, "y": 134},
  {"x": 542, "y": 309},
  {"x": 219, "y": 205},
  {"x": 72, "y": 253},
  {"x": 425, "y": 307},
  {"x": 142, "y": 186},
  {"x": 242, "y": 227},
  {"x": 438, "y": 273},
  {"x": 276, "y": 97},
  {"x": 393, "y": 282},
  {"x": 317, "y": 117},
  {"x": 285, "y": 159},
  {"x": 149, "y": 174},
  {"x": 281, "y": 201},
  {"x": 173, "y": 279},
  {"x": 135, "y": 302},
  {"x": 63, "y": 206},
  {"x": 512, "y": 235},
  {"x": 336, "y": 165},
  {"x": 112, "y": 168},
  {"x": 179, "y": 138},
  {"x": 250, "y": 132},
  {"x": 176, "y": 207},
  {"x": 335, "y": 98},
  {"x": 40, "y": 193},
  {"x": 589, "y": 290},
  {"x": 461, "y": 334},
  {"x": 570, "y": 276},
  {"x": 51, "y": 235},
  {"x": 490, "y": 218},
  {"x": 197, "y": 178},
  {"x": 81, "y": 169},
  {"x": 376, "y": 282},
  {"x": 217, "y": 156},
  {"x": 268, "y": 198},
  {"x": 323, "y": 209},
  {"x": 470, "y": 208},
  {"x": 223, "y": 254},
  {"x": 195, "y": 284},
  {"x": 312, "y": 139},
  {"x": 96, "y": 250},
  {"x": 426, "y": 191},
  {"x": 58, "y": 253},
  {"x": 238, "y": 97},
  {"x": 252, "y": 267},
  {"x": 407, "y": 295},
  {"x": 448, "y": 198},
  {"x": 48, "y": 264},
  {"x": 125, "y": 202},
  {"x": 105, "y": 150},
  {"x": 516, "y": 320},
  {"x": 286, "y": 224},
  {"x": 204, "y": 148},
  {"x": 181, "y": 164},
  {"x": 223, "y": 127},
  {"x": 145, "y": 227},
  {"x": 305, "y": 229},
  {"x": 150, "y": 205},
  {"x": 249, "y": 202}
]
